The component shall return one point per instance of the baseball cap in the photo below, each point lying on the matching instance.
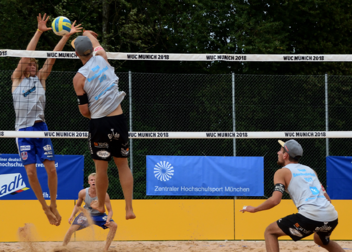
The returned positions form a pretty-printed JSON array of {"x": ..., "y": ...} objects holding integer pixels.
[
  {"x": 83, "y": 46},
  {"x": 292, "y": 147}
]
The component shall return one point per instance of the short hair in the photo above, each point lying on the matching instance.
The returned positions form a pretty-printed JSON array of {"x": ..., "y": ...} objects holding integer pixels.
[
  {"x": 292, "y": 159},
  {"x": 91, "y": 175}
]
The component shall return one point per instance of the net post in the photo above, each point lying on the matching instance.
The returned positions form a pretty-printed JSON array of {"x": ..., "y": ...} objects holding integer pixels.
[
  {"x": 326, "y": 114},
  {"x": 130, "y": 106},
  {"x": 233, "y": 116}
]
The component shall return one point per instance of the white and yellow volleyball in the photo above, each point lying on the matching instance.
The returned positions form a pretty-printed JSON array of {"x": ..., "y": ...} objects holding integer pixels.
[{"x": 61, "y": 26}]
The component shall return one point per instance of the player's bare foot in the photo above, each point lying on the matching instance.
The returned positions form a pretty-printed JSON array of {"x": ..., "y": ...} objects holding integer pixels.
[
  {"x": 51, "y": 217},
  {"x": 130, "y": 215},
  {"x": 96, "y": 206},
  {"x": 57, "y": 215}
]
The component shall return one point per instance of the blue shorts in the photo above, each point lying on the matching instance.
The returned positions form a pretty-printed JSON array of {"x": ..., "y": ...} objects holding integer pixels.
[
  {"x": 29, "y": 148},
  {"x": 98, "y": 220}
]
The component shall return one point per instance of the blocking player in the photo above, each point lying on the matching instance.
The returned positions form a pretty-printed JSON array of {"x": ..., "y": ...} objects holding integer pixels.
[
  {"x": 28, "y": 92},
  {"x": 315, "y": 214}
]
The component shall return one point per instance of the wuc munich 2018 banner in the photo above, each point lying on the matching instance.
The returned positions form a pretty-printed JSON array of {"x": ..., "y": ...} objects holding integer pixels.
[
  {"x": 14, "y": 184},
  {"x": 205, "y": 176}
]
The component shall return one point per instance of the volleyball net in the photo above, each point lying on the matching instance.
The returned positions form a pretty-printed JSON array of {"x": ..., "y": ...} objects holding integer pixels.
[
  {"x": 198, "y": 115},
  {"x": 187, "y": 57}
]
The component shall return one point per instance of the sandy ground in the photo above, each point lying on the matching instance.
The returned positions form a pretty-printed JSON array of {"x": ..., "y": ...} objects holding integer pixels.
[{"x": 165, "y": 246}]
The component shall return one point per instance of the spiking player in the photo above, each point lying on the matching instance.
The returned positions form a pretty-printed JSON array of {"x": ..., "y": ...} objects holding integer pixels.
[{"x": 96, "y": 86}]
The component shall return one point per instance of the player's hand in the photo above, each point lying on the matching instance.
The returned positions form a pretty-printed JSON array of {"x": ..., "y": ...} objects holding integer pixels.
[
  {"x": 249, "y": 209},
  {"x": 42, "y": 22},
  {"x": 74, "y": 28},
  {"x": 70, "y": 220},
  {"x": 91, "y": 32},
  {"x": 107, "y": 224}
]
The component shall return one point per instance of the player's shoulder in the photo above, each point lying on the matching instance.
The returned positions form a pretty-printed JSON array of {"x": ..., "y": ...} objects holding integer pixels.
[
  {"x": 78, "y": 79},
  {"x": 283, "y": 171},
  {"x": 82, "y": 193}
]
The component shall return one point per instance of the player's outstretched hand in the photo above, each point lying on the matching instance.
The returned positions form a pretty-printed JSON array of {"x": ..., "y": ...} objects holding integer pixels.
[
  {"x": 75, "y": 28},
  {"x": 42, "y": 22},
  {"x": 91, "y": 32},
  {"x": 249, "y": 209}
]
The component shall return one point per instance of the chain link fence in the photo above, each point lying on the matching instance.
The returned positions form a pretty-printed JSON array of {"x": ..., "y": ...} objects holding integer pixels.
[{"x": 199, "y": 102}]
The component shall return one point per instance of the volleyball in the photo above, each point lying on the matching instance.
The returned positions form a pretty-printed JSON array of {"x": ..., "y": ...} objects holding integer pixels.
[{"x": 61, "y": 26}]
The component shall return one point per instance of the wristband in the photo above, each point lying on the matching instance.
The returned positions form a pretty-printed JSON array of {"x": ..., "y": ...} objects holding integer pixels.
[{"x": 39, "y": 30}]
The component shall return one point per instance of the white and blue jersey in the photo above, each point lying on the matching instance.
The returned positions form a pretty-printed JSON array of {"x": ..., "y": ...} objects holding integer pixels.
[
  {"x": 101, "y": 86},
  {"x": 307, "y": 194},
  {"x": 30, "y": 148},
  {"x": 29, "y": 102}
]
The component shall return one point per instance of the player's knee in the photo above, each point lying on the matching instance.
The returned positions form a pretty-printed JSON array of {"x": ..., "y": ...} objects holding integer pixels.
[
  {"x": 31, "y": 174},
  {"x": 113, "y": 225},
  {"x": 73, "y": 228},
  {"x": 51, "y": 171},
  {"x": 270, "y": 230}
]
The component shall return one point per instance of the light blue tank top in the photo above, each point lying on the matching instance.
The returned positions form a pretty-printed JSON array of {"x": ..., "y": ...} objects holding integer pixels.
[
  {"x": 101, "y": 86},
  {"x": 87, "y": 201},
  {"x": 306, "y": 192},
  {"x": 29, "y": 102}
]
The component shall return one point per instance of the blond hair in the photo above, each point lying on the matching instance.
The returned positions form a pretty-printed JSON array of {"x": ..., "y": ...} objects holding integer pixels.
[
  {"x": 36, "y": 62},
  {"x": 91, "y": 175}
]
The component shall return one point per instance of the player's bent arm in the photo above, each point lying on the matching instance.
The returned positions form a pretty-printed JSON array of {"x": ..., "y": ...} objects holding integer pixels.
[
  {"x": 275, "y": 199},
  {"x": 78, "y": 83},
  {"x": 81, "y": 196},
  {"x": 108, "y": 207},
  {"x": 325, "y": 193},
  {"x": 22, "y": 64},
  {"x": 323, "y": 189}
]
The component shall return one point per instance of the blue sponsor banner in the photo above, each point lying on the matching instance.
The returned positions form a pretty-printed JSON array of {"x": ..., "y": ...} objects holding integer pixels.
[
  {"x": 205, "y": 176},
  {"x": 339, "y": 177},
  {"x": 14, "y": 184}
]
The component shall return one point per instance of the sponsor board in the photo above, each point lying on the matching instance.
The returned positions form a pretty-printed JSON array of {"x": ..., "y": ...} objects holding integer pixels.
[
  {"x": 339, "y": 177},
  {"x": 14, "y": 184},
  {"x": 205, "y": 176}
]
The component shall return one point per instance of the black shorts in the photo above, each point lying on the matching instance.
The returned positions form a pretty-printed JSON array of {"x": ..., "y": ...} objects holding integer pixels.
[
  {"x": 108, "y": 136},
  {"x": 297, "y": 227}
]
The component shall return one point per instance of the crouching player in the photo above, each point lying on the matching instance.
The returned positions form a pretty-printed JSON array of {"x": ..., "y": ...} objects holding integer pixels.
[{"x": 88, "y": 195}]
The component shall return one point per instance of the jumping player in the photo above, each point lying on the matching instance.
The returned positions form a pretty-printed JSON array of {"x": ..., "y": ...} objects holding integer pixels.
[
  {"x": 315, "y": 214},
  {"x": 28, "y": 92},
  {"x": 96, "y": 86},
  {"x": 89, "y": 195}
]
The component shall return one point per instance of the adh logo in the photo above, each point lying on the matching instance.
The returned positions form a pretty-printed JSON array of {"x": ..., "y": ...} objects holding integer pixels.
[
  {"x": 12, "y": 184},
  {"x": 163, "y": 171}
]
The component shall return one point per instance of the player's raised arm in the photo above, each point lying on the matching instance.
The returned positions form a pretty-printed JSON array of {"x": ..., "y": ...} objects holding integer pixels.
[
  {"x": 23, "y": 63},
  {"x": 98, "y": 49},
  {"x": 49, "y": 63}
]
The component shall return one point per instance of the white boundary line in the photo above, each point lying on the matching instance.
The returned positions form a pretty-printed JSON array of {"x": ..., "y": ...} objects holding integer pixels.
[
  {"x": 185, "y": 135},
  {"x": 187, "y": 57}
]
